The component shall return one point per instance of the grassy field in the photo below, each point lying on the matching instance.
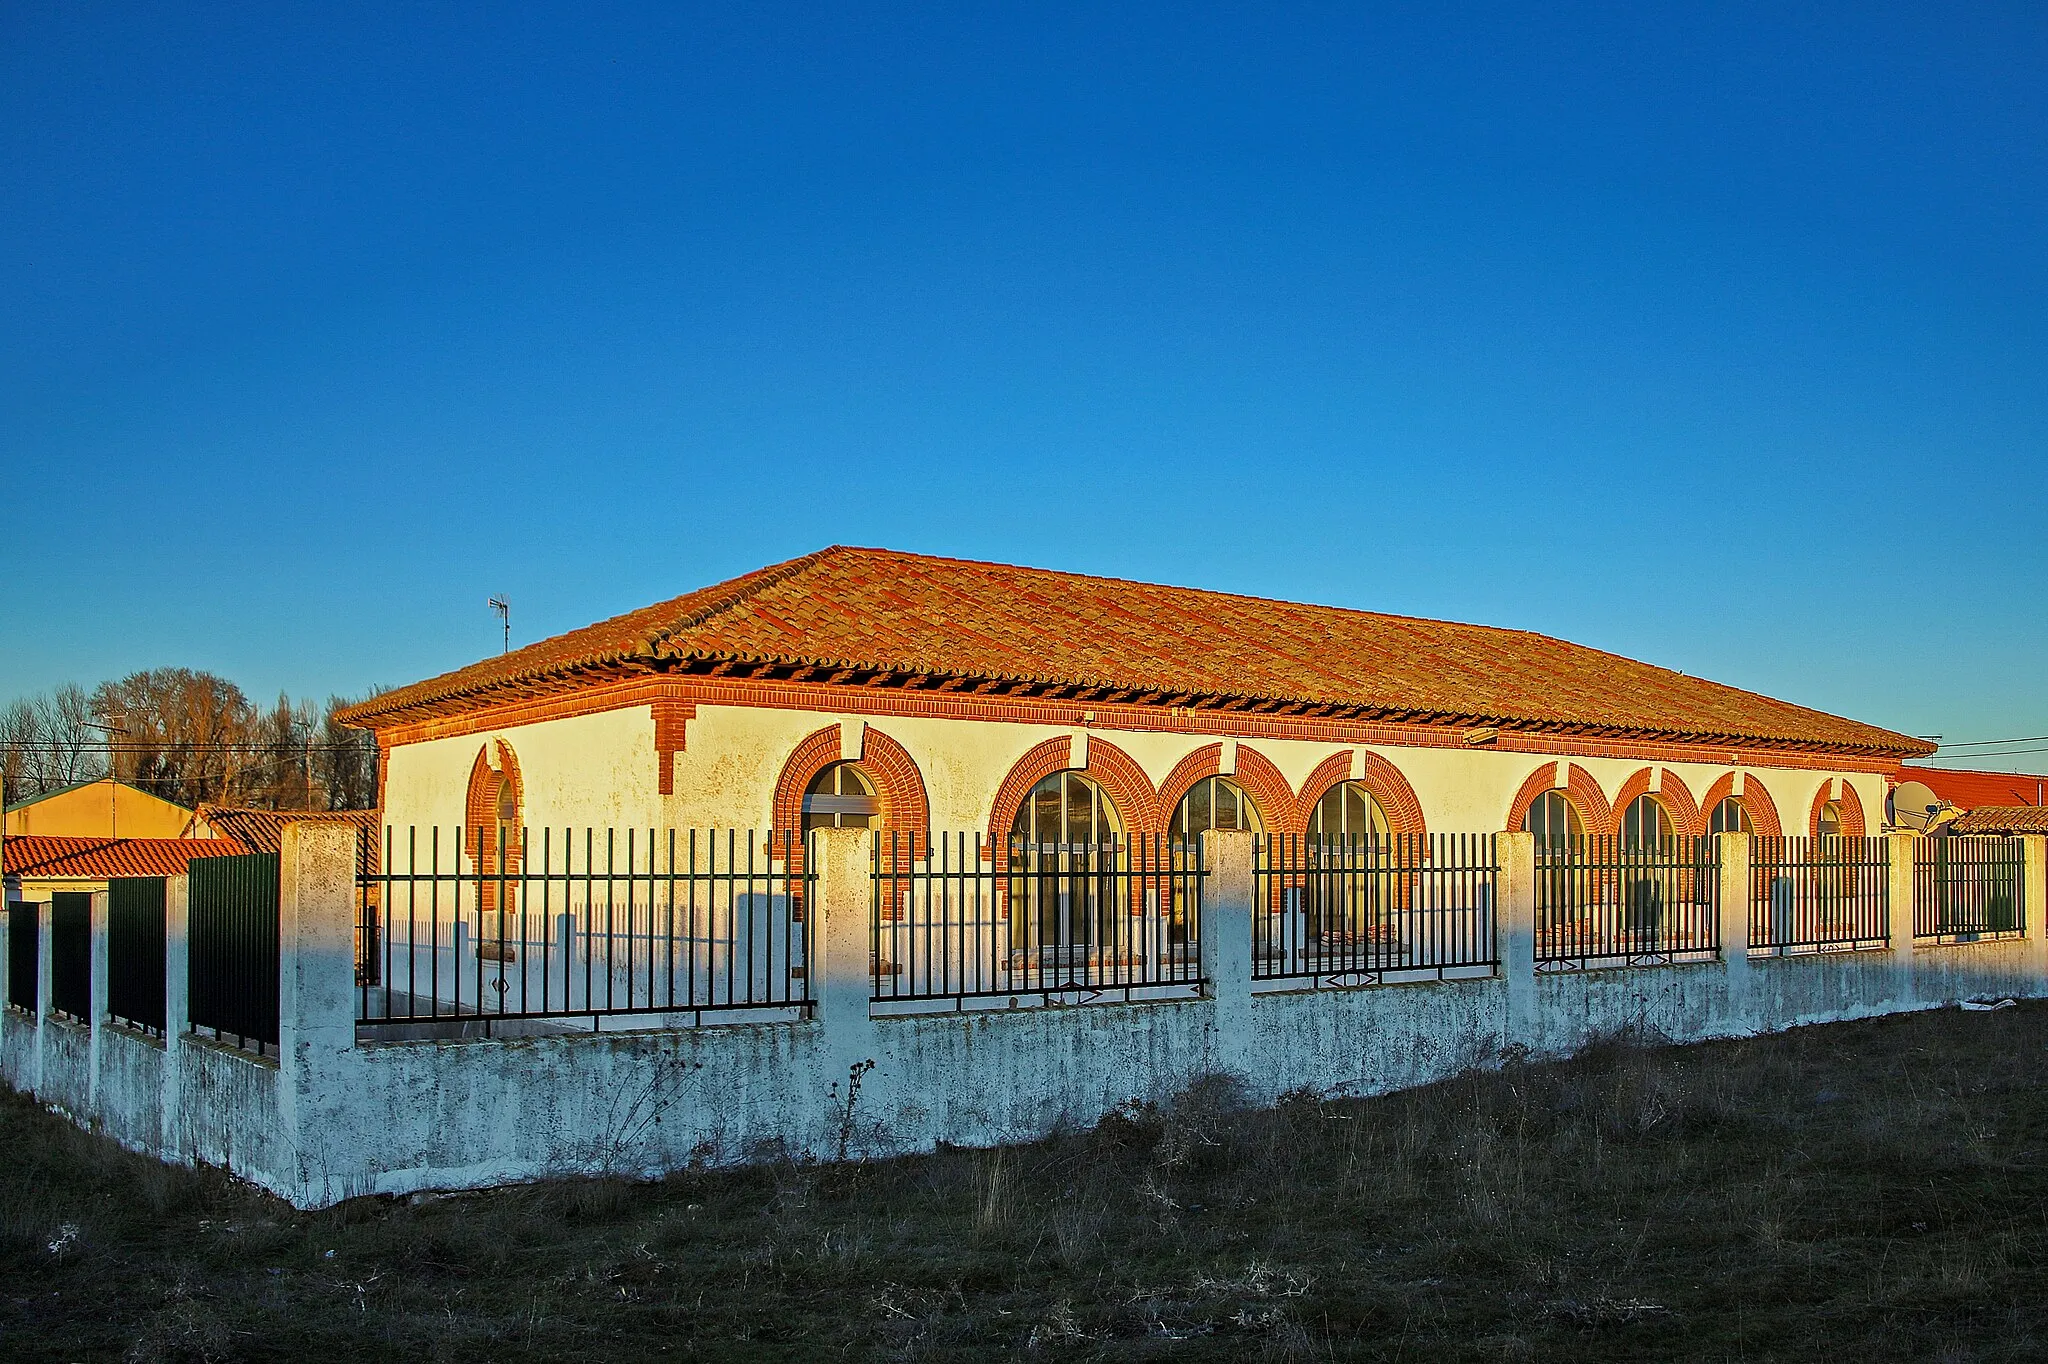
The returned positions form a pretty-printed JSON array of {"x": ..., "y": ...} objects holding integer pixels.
[{"x": 1864, "y": 1191}]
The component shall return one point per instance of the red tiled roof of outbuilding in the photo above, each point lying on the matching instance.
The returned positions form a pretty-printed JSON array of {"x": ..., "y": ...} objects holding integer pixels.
[
  {"x": 871, "y": 611},
  {"x": 97, "y": 859},
  {"x": 263, "y": 830},
  {"x": 1967, "y": 789},
  {"x": 2003, "y": 819}
]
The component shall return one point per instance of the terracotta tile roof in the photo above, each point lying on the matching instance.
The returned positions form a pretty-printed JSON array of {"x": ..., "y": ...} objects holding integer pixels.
[
  {"x": 879, "y": 611},
  {"x": 96, "y": 859},
  {"x": 2004, "y": 819},
  {"x": 1968, "y": 789},
  {"x": 263, "y": 830}
]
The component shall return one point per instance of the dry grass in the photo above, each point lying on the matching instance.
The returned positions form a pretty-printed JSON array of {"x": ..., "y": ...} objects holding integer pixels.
[{"x": 1862, "y": 1192}]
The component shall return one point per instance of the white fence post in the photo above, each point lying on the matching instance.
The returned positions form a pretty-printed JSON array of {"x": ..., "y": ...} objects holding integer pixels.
[
  {"x": 1515, "y": 914},
  {"x": 1226, "y": 945},
  {"x": 1734, "y": 927},
  {"x": 842, "y": 973},
  {"x": 2034, "y": 905},
  {"x": 171, "y": 1139},
  {"x": 96, "y": 999},
  {"x": 316, "y": 1000},
  {"x": 45, "y": 980},
  {"x": 1901, "y": 847}
]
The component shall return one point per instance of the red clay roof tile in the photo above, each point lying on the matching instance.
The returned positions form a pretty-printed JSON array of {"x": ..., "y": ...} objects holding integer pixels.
[
  {"x": 875, "y": 610},
  {"x": 96, "y": 859}
]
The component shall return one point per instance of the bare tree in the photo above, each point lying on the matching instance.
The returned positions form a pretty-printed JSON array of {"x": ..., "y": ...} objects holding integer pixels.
[{"x": 48, "y": 742}]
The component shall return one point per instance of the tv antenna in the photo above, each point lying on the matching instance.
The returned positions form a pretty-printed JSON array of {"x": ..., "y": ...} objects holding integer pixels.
[{"x": 504, "y": 610}]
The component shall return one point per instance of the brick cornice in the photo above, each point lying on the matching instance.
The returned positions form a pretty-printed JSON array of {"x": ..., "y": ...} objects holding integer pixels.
[{"x": 901, "y": 703}]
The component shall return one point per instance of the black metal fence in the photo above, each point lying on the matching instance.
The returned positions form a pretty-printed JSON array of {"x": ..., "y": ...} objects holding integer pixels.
[
  {"x": 71, "y": 954},
  {"x": 1352, "y": 911},
  {"x": 232, "y": 936},
  {"x": 135, "y": 952},
  {"x": 963, "y": 919},
  {"x": 493, "y": 925},
  {"x": 24, "y": 953},
  {"x": 1969, "y": 887},
  {"x": 1609, "y": 902},
  {"x": 1814, "y": 894}
]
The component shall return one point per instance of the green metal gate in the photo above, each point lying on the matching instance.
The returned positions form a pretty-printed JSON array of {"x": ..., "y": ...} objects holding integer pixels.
[{"x": 233, "y": 935}]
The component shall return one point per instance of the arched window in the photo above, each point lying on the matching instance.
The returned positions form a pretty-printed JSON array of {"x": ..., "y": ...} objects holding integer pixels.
[
  {"x": 1347, "y": 814},
  {"x": 1730, "y": 817},
  {"x": 1063, "y": 855},
  {"x": 840, "y": 797},
  {"x": 1646, "y": 824},
  {"x": 1066, "y": 808},
  {"x": 1213, "y": 803},
  {"x": 1829, "y": 822},
  {"x": 1555, "y": 822}
]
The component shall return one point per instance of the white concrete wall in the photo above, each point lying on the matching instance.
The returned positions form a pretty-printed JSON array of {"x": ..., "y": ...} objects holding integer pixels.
[
  {"x": 600, "y": 770},
  {"x": 337, "y": 1117}
]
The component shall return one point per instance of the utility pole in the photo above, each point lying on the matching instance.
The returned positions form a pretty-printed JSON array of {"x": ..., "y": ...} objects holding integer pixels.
[{"x": 504, "y": 610}]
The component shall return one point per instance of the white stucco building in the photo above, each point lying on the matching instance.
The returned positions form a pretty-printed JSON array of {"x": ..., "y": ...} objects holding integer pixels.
[{"x": 915, "y": 694}]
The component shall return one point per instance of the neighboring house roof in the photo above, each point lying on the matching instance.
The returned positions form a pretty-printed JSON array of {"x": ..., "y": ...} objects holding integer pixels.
[
  {"x": 1968, "y": 790},
  {"x": 46, "y": 856},
  {"x": 878, "y": 617},
  {"x": 2003, "y": 819},
  {"x": 263, "y": 830},
  {"x": 54, "y": 792}
]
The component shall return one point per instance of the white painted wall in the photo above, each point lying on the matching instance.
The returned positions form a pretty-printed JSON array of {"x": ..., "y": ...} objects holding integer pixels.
[{"x": 600, "y": 770}]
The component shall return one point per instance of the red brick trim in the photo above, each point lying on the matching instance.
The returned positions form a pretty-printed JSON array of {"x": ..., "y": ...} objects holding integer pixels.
[
  {"x": 1852, "y": 809},
  {"x": 1672, "y": 794},
  {"x": 905, "y": 805},
  {"x": 899, "y": 786},
  {"x": 1385, "y": 782},
  {"x": 1326, "y": 774},
  {"x": 1268, "y": 788},
  {"x": 813, "y": 754},
  {"x": 1755, "y": 798},
  {"x": 671, "y": 720},
  {"x": 1256, "y": 776},
  {"x": 1119, "y": 776},
  {"x": 850, "y": 700},
  {"x": 1132, "y": 792},
  {"x": 1205, "y": 761},
  {"x": 1039, "y": 762},
  {"x": 1535, "y": 784},
  {"x": 480, "y": 810},
  {"x": 1580, "y": 788}
]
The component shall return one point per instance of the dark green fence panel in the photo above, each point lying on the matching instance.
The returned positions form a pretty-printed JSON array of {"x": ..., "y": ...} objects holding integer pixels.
[
  {"x": 23, "y": 932},
  {"x": 233, "y": 936},
  {"x": 71, "y": 953},
  {"x": 135, "y": 951}
]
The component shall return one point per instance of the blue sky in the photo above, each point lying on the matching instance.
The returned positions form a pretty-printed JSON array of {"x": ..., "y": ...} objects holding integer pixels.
[{"x": 1715, "y": 336}]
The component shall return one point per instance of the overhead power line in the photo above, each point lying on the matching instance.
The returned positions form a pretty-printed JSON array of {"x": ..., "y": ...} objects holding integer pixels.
[{"x": 1993, "y": 743}]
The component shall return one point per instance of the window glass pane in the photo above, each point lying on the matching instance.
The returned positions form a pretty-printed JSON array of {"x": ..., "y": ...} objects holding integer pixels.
[
  {"x": 1201, "y": 810},
  {"x": 1225, "y": 798}
]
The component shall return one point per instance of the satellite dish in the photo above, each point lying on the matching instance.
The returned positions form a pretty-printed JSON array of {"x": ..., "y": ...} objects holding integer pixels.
[{"x": 1914, "y": 805}]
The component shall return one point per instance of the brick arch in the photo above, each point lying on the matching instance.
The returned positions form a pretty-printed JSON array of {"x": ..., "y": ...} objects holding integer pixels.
[
  {"x": 1382, "y": 780},
  {"x": 1115, "y": 771},
  {"x": 480, "y": 800},
  {"x": 899, "y": 785},
  {"x": 1672, "y": 794},
  {"x": 1763, "y": 811},
  {"x": 1581, "y": 788},
  {"x": 1852, "y": 808},
  {"x": 481, "y": 838},
  {"x": 1255, "y": 776}
]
